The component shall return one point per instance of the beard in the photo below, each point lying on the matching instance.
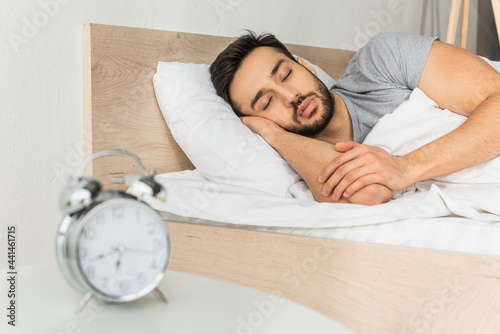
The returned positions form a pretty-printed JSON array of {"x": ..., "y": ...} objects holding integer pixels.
[{"x": 328, "y": 109}]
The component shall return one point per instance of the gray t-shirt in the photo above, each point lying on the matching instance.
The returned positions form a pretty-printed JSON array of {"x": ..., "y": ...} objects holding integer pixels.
[{"x": 380, "y": 77}]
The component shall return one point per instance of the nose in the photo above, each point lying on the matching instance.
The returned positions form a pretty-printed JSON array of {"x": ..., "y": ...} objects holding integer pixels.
[{"x": 290, "y": 95}]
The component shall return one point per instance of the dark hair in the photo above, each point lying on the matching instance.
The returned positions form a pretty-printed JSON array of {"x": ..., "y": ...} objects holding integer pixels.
[{"x": 229, "y": 61}]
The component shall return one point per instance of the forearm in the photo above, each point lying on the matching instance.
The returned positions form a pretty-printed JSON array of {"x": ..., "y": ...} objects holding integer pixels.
[
  {"x": 459, "y": 81},
  {"x": 477, "y": 140},
  {"x": 309, "y": 156}
]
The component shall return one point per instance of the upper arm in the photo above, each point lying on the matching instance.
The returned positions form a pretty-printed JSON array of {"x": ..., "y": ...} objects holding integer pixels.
[{"x": 457, "y": 79}]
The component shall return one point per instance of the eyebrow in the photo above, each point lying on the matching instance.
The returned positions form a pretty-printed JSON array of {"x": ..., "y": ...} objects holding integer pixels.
[{"x": 261, "y": 91}]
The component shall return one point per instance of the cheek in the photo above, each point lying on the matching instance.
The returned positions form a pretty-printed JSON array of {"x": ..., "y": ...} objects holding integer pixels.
[{"x": 280, "y": 114}]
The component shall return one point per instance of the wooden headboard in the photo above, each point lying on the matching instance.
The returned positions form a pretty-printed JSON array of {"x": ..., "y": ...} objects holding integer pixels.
[{"x": 121, "y": 111}]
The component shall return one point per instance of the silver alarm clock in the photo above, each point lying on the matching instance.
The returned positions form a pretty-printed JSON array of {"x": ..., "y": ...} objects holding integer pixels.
[{"x": 111, "y": 245}]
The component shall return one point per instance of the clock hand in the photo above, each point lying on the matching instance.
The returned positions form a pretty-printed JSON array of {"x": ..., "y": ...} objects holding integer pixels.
[
  {"x": 121, "y": 249},
  {"x": 133, "y": 250},
  {"x": 103, "y": 255},
  {"x": 118, "y": 262}
]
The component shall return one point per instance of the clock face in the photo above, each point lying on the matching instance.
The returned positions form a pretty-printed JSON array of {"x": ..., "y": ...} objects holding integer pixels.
[{"x": 123, "y": 249}]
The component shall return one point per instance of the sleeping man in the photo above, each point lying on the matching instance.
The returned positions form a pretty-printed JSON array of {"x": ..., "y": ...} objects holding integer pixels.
[{"x": 319, "y": 131}]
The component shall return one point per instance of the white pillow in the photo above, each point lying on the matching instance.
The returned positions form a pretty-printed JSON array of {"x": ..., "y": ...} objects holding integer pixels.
[
  {"x": 419, "y": 121},
  {"x": 215, "y": 140}
]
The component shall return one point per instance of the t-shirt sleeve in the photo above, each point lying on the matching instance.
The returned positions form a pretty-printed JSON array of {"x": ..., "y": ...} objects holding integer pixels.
[{"x": 387, "y": 61}]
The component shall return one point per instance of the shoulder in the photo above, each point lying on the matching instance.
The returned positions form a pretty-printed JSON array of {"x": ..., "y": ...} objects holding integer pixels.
[
  {"x": 384, "y": 39},
  {"x": 376, "y": 51},
  {"x": 388, "y": 51},
  {"x": 379, "y": 53},
  {"x": 380, "y": 42},
  {"x": 390, "y": 42}
]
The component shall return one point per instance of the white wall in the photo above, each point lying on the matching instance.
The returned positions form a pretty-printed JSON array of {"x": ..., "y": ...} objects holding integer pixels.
[{"x": 41, "y": 86}]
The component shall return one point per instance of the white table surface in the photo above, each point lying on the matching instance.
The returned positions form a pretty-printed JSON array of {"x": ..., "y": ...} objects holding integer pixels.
[{"x": 46, "y": 304}]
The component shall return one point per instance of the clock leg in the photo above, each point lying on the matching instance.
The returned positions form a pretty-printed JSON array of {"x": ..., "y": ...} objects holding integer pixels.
[
  {"x": 85, "y": 300},
  {"x": 157, "y": 292}
]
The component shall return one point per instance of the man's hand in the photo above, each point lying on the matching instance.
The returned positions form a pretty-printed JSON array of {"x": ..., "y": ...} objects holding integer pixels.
[
  {"x": 360, "y": 166},
  {"x": 260, "y": 125},
  {"x": 308, "y": 157}
]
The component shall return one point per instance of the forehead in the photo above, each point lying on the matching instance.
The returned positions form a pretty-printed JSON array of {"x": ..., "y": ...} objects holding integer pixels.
[{"x": 253, "y": 73}]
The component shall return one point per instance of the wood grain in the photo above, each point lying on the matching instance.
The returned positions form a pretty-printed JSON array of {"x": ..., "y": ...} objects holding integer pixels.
[
  {"x": 495, "y": 4},
  {"x": 453, "y": 21},
  {"x": 368, "y": 287},
  {"x": 465, "y": 24}
]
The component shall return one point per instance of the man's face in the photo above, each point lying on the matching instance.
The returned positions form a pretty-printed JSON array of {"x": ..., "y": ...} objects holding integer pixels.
[{"x": 271, "y": 85}]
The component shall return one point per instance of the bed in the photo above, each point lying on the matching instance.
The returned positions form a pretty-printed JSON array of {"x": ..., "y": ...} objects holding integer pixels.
[{"x": 369, "y": 287}]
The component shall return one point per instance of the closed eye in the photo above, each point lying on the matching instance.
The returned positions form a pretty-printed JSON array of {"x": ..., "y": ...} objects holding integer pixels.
[
  {"x": 268, "y": 102},
  {"x": 287, "y": 75}
]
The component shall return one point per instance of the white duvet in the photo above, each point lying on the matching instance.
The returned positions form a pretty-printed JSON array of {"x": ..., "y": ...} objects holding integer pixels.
[{"x": 473, "y": 193}]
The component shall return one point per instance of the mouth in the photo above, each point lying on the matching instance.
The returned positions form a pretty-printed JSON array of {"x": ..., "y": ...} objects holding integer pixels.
[{"x": 306, "y": 107}]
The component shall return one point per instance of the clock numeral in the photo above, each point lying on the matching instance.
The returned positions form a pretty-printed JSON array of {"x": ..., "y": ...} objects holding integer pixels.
[
  {"x": 138, "y": 216},
  {"x": 90, "y": 272},
  {"x": 151, "y": 228},
  {"x": 123, "y": 285},
  {"x": 141, "y": 278},
  {"x": 82, "y": 253},
  {"x": 118, "y": 211},
  {"x": 104, "y": 282},
  {"x": 156, "y": 245},
  {"x": 153, "y": 265},
  {"x": 90, "y": 233},
  {"x": 99, "y": 218}
]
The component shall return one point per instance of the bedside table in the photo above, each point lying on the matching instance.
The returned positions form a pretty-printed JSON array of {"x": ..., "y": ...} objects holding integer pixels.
[{"x": 46, "y": 304}]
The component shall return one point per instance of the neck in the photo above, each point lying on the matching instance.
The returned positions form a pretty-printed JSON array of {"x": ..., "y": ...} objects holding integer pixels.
[{"x": 340, "y": 126}]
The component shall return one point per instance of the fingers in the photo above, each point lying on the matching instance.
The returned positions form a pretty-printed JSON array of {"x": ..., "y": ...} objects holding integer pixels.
[
  {"x": 338, "y": 174},
  {"x": 360, "y": 166},
  {"x": 351, "y": 171},
  {"x": 353, "y": 151},
  {"x": 255, "y": 123},
  {"x": 354, "y": 181},
  {"x": 345, "y": 146},
  {"x": 245, "y": 119},
  {"x": 326, "y": 173}
]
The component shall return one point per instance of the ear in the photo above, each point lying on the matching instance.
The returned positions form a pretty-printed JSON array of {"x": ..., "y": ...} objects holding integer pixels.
[{"x": 306, "y": 65}]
